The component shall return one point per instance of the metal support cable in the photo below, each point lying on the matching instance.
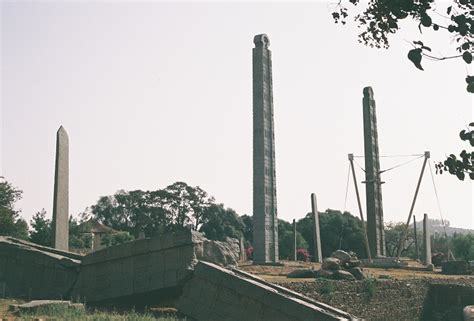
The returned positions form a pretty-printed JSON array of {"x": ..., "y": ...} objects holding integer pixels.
[
  {"x": 437, "y": 201},
  {"x": 347, "y": 186},
  {"x": 400, "y": 165}
]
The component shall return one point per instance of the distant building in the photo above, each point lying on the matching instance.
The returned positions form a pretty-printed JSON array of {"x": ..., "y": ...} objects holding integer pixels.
[{"x": 97, "y": 232}]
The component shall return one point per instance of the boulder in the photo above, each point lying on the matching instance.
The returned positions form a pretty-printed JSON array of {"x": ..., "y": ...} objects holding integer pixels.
[
  {"x": 217, "y": 252},
  {"x": 342, "y": 256},
  {"x": 343, "y": 275},
  {"x": 358, "y": 273},
  {"x": 325, "y": 274},
  {"x": 353, "y": 263},
  {"x": 302, "y": 274},
  {"x": 468, "y": 313},
  {"x": 331, "y": 263}
]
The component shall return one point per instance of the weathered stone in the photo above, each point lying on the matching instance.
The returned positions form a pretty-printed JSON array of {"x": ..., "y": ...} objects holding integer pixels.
[
  {"x": 44, "y": 305},
  {"x": 221, "y": 253},
  {"x": 216, "y": 294},
  {"x": 373, "y": 183},
  {"x": 327, "y": 274},
  {"x": 343, "y": 275},
  {"x": 318, "y": 254},
  {"x": 358, "y": 273},
  {"x": 302, "y": 274},
  {"x": 34, "y": 271},
  {"x": 426, "y": 241},
  {"x": 353, "y": 263},
  {"x": 331, "y": 263},
  {"x": 265, "y": 220},
  {"x": 468, "y": 313},
  {"x": 455, "y": 268},
  {"x": 61, "y": 192},
  {"x": 342, "y": 256}
]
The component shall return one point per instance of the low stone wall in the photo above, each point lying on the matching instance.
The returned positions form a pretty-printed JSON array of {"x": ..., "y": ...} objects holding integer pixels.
[
  {"x": 382, "y": 300},
  {"x": 35, "y": 272},
  {"x": 217, "y": 294}
]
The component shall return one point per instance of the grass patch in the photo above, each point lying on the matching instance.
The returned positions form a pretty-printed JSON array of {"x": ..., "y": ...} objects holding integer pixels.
[
  {"x": 61, "y": 312},
  {"x": 370, "y": 287},
  {"x": 327, "y": 289}
]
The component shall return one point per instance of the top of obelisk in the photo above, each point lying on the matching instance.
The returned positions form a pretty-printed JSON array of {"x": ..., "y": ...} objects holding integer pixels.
[
  {"x": 261, "y": 40},
  {"x": 62, "y": 129},
  {"x": 368, "y": 92},
  {"x": 62, "y": 132}
]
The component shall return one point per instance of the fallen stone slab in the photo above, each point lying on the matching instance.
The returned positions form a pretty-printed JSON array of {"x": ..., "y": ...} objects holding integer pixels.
[
  {"x": 142, "y": 270},
  {"x": 215, "y": 294},
  {"x": 47, "y": 305},
  {"x": 31, "y": 271}
]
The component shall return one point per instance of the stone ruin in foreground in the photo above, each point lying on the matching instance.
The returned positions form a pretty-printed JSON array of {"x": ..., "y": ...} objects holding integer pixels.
[{"x": 173, "y": 269}]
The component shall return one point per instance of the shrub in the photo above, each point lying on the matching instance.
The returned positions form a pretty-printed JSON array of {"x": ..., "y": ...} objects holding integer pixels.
[
  {"x": 303, "y": 255},
  {"x": 249, "y": 253}
]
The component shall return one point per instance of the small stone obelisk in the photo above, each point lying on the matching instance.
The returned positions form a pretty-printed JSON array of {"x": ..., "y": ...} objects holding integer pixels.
[
  {"x": 61, "y": 192},
  {"x": 318, "y": 256},
  {"x": 426, "y": 241},
  {"x": 265, "y": 218},
  {"x": 295, "y": 256}
]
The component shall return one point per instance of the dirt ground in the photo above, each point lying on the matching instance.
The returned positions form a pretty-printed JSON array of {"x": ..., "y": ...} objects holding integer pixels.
[{"x": 278, "y": 273}]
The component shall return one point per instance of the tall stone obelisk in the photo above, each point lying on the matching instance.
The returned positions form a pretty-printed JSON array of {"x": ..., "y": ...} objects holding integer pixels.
[
  {"x": 375, "y": 231},
  {"x": 61, "y": 192},
  {"x": 265, "y": 221}
]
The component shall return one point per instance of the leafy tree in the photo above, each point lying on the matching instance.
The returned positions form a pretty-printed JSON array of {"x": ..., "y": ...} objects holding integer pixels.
[
  {"x": 116, "y": 238},
  {"x": 176, "y": 207},
  {"x": 286, "y": 240},
  {"x": 41, "y": 232},
  {"x": 338, "y": 231},
  {"x": 248, "y": 228},
  {"x": 393, "y": 234},
  {"x": 465, "y": 164},
  {"x": 10, "y": 222},
  {"x": 219, "y": 223},
  {"x": 186, "y": 204},
  {"x": 380, "y": 18},
  {"x": 77, "y": 239},
  {"x": 463, "y": 246}
]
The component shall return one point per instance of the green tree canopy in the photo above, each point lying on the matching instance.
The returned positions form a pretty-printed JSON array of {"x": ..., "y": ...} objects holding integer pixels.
[
  {"x": 219, "y": 222},
  {"x": 10, "y": 222},
  {"x": 338, "y": 231}
]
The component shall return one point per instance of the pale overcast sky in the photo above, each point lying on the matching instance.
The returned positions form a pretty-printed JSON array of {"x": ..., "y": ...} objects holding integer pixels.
[{"x": 152, "y": 93}]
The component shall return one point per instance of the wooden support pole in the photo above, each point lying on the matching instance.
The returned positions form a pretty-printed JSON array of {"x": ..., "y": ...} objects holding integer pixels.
[
  {"x": 402, "y": 240},
  {"x": 366, "y": 239}
]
